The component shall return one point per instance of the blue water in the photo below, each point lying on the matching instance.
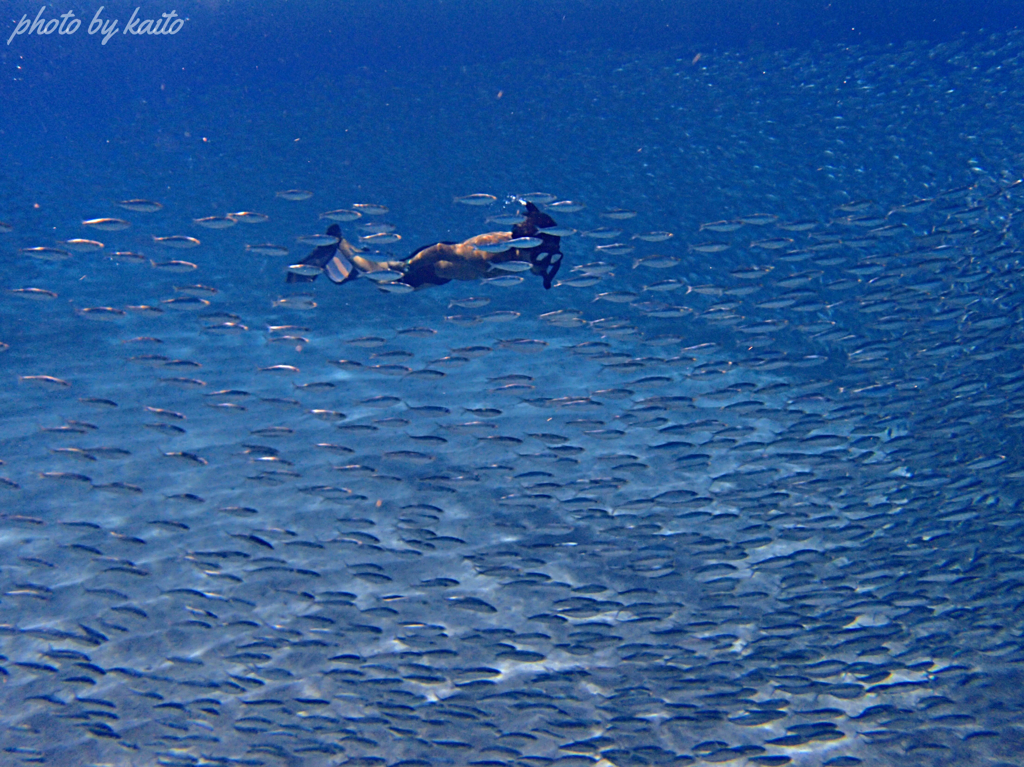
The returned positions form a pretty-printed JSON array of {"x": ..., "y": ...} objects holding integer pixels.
[{"x": 755, "y": 501}]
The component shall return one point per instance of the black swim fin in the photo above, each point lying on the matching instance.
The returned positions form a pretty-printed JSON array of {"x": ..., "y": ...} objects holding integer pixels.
[
  {"x": 547, "y": 267},
  {"x": 320, "y": 257},
  {"x": 339, "y": 269},
  {"x": 546, "y": 257}
]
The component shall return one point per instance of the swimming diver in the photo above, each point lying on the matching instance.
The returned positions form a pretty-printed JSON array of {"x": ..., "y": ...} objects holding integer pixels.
[{"x": 477, "y": 257}]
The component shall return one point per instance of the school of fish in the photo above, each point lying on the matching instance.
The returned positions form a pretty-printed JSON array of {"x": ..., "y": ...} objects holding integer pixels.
[{"x": 740, "y": 490}]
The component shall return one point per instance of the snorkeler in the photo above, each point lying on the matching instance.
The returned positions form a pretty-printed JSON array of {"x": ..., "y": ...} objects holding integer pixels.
[{"x": 527, "y": 246}]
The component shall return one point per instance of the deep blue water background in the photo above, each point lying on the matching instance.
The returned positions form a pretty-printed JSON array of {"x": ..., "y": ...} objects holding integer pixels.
[
  {"x": 45, "y": 82},
  {"x": 257, "y": 76}
]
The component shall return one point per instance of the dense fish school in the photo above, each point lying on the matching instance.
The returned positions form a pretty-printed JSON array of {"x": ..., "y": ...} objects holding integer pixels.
[{"x": 743, "y": 488}]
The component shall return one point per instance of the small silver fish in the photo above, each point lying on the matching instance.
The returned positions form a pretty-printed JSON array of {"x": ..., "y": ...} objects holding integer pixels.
[
  {"x": 383, "y": 238},
  {"x": 614, "y": 249},
  {"x": 83, "y": 246},
  {"x": 101, "y": 313},
  {"x": 34, "y": 294},
  {"x": 656, "y": 262},
  {"x": 47, "y": 382},
  {"x": 385, "y": 275},
  {"x": 107, "y": 224},
  {"x": 504, "y": 281},
  {"x": 525, "y": 243},
  {"x": 566, "y": 206},
  {"x": 375, "y": 227},
  {"x": 538, "y": 198},
  {"x": 584, "y": 281},
  {"x": 478, "y": 199},
  {"x": 186, "y": 303},
  {"x": 758, "y": 219},
  {"x": 295, "y": 195},
  {"x": 296, "y": 302},
  {"x": 248, "y": 217},
  {"x": 711, "y": 247},
  {"x": 654, "y": 236},
  {"x": 178, "y": 241},
  {"x": 195, "y": 290},
  {"x": 513, "y": 266},
  {"x": 127, "y": 257},
  {"x": 46, "y": 254},
  {"x": 316, "y": 240},
  {"x": 269, "y": 249},
  {"x": 601, "y": 233},
  {"x": 305, "y": 270},
  {"x": 505, "y": 220},
  {"x": 721, "y": 226},
  {"x": 619, "y": 214},
  {"x": 341, "y": 215},
  {"x": 178, "y": 267},
  {"x": 395, "y": 287},
  {"x": 140, "y": 206},
  {"x": 617, "y": 296},
  {"x": 506, "y": 316},
  {"x": 215, "y": 222},
  {"x": 494, "y": 247},
  {"x": 469, "y": 302}
]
